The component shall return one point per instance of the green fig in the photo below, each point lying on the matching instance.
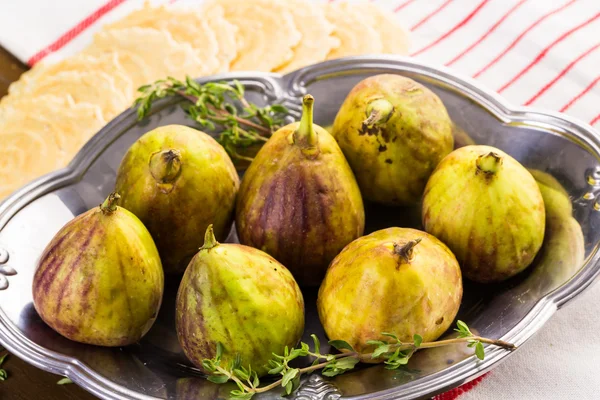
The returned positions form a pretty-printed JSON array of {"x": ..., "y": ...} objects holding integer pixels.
[
  {"x": 100, "y": 280},
  {"x": 299, "y": 200},
  {"x": 488, "y": 209},
  {"x": 242, "y": 298},
  {"x": 393, "y": 131},
  {"x": 413, "y": 279},
  {"x": 178, "y": 180},
  {"x": 563, "y": 251}
]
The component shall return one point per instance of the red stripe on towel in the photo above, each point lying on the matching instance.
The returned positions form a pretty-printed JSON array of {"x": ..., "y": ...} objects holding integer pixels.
[
  {"x": 561, "y": 74},
  {"x": 485, "y": 35},
  {"x": 580, "y": 95},
  {"x": 74, "y": 32},
  {"x": 518, "y": 39},
  {"x": 543, "y": 53},
  {"x": 454, "y": 29},
  {"x": 433, "y": 13}
]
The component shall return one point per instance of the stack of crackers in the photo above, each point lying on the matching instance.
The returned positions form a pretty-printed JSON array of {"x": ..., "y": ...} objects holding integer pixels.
[{"x": 52, "y": 111}]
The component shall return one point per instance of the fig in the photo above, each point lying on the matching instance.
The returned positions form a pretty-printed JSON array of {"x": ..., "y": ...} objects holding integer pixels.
[
  {"x": 100, "y": 280},
  {"x": 393, "y": 131},
  {"x": 242, "y": 298},
  {"x": 413, "y": 279},
  {"x": 488, "y": 209},
  {"x": 299, "y": 200},
  {"x": 178, "y": 180},
  {"x": 563, "y": 251}
]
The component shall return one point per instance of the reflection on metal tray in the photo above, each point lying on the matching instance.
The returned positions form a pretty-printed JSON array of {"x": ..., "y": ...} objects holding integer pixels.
[{"x": 156, "y": 368}]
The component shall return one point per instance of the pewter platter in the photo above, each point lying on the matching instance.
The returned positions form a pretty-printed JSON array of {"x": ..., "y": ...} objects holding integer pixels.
[{"x": 156, "y": 369}]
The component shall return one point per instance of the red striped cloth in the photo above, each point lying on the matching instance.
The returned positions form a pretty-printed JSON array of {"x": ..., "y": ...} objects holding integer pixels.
[{"x": 542, "y": 53}]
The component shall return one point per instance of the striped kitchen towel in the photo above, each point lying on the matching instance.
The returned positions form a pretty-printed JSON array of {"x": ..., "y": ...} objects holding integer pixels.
[{"x": 543, "y": 53}]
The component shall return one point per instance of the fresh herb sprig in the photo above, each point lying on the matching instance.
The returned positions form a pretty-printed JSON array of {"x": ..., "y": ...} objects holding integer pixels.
[
  {"x": 3, "y": 373},
  {"x": 393, "y": 352},
  {"x": 214, "y": 106}
]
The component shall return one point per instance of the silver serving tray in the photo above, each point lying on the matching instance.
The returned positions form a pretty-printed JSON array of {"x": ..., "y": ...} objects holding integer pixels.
[{"x": 156, "y": 368}]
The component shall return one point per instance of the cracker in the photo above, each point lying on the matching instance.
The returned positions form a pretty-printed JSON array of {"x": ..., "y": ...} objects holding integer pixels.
[
  {"x": 394, "y": 38},
  {"x": 93, "y": 87},
  {"x": 163, "y": 55},
  {"x": 67, "y": 123},
  {"x": 317, "y": 35},
  {"x": 40, "y": 134},
  {"x": 184, "y": 25},
  {"x": 266, "y": 33},
  {"x": 226, "y": 34},
  {"x": 356, "y": 36},
  {"x": 107, "y": 63}
]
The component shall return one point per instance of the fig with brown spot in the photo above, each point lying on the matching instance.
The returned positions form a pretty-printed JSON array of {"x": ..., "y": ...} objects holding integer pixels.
[
  {"x": 393, "y": 131},
  {"x": 397, "y": 280},
  {"x": 488, "y": 209}
]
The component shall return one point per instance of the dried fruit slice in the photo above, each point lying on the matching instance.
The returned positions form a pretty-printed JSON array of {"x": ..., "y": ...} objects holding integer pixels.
[
  {"x": 163, "y": 54},
  {"x": 317, "y": 40},
  {"x": 184, "y": 25},
  {"x": 266, "y": 33},
  {"x": 356, "y": 35},
  {"x": 394, "y": 38}
]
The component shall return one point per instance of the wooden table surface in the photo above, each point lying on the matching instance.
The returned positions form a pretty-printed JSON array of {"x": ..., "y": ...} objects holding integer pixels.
[{"x": 26, "y": 382}]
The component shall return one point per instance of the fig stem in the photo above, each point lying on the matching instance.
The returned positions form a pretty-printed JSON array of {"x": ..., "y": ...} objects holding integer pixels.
[
  {"x": 305, "y": 136},
  {"x": 489, "y": 163},
  {"x": 165, "y": 166},
  {"x": 378, "y": 111},
  {"x": 110, "y": 204},
  {"x": 406, "y": 251},
  {"x": 209, "y": 239}
]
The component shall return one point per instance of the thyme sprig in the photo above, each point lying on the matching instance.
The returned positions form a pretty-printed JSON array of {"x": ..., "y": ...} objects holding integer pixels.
[
  {"x": 393, "y": 352},
  {"x": 220, "y": 107},
  {"x": 3, "y": 373}
]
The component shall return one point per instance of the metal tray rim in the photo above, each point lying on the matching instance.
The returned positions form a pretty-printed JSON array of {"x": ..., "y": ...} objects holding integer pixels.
[{"x": 80, "y": 373}]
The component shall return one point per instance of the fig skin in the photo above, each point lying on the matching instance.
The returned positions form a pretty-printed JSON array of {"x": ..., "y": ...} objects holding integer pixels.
[
  {"x": 241, "y": 297},
  {"x": 100, "y": 280},
  {"x": 488, "y": 209},
  {"x": 397, "y": 280},
  {"x": 563, "y": 251},
  {"x": 393, "y": 131},
  {"x": 299, "y": 200},
  {"x": 178, "y": 180}
]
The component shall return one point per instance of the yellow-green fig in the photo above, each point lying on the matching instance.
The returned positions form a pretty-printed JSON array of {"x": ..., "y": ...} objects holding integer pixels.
[
  {"x": 178, "y": 180},
  {"x": 488, "y": 209},
  {"x": 242, "y": 298},
  {"x": 397, "y": 280},
  {"x": 299, "y": 200},
  {"x": 393, "y": 131},
  {"x": 563, "y": 251},
  {"x": 100, "y": 280}
]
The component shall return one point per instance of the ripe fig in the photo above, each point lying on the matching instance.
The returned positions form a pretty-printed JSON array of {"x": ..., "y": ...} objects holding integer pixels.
[
  {"x": 178, "y": 180},
  {"x": 488, "y": 209},
  {"x": 393, "y": 131},
  {"x": 242, "y": 298},
  {"x": 299, "y": 200},
  {"x": 413, "y": 279},
  {"x": 100, "y": 279},
  {"x": 563, "y": 251}
]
